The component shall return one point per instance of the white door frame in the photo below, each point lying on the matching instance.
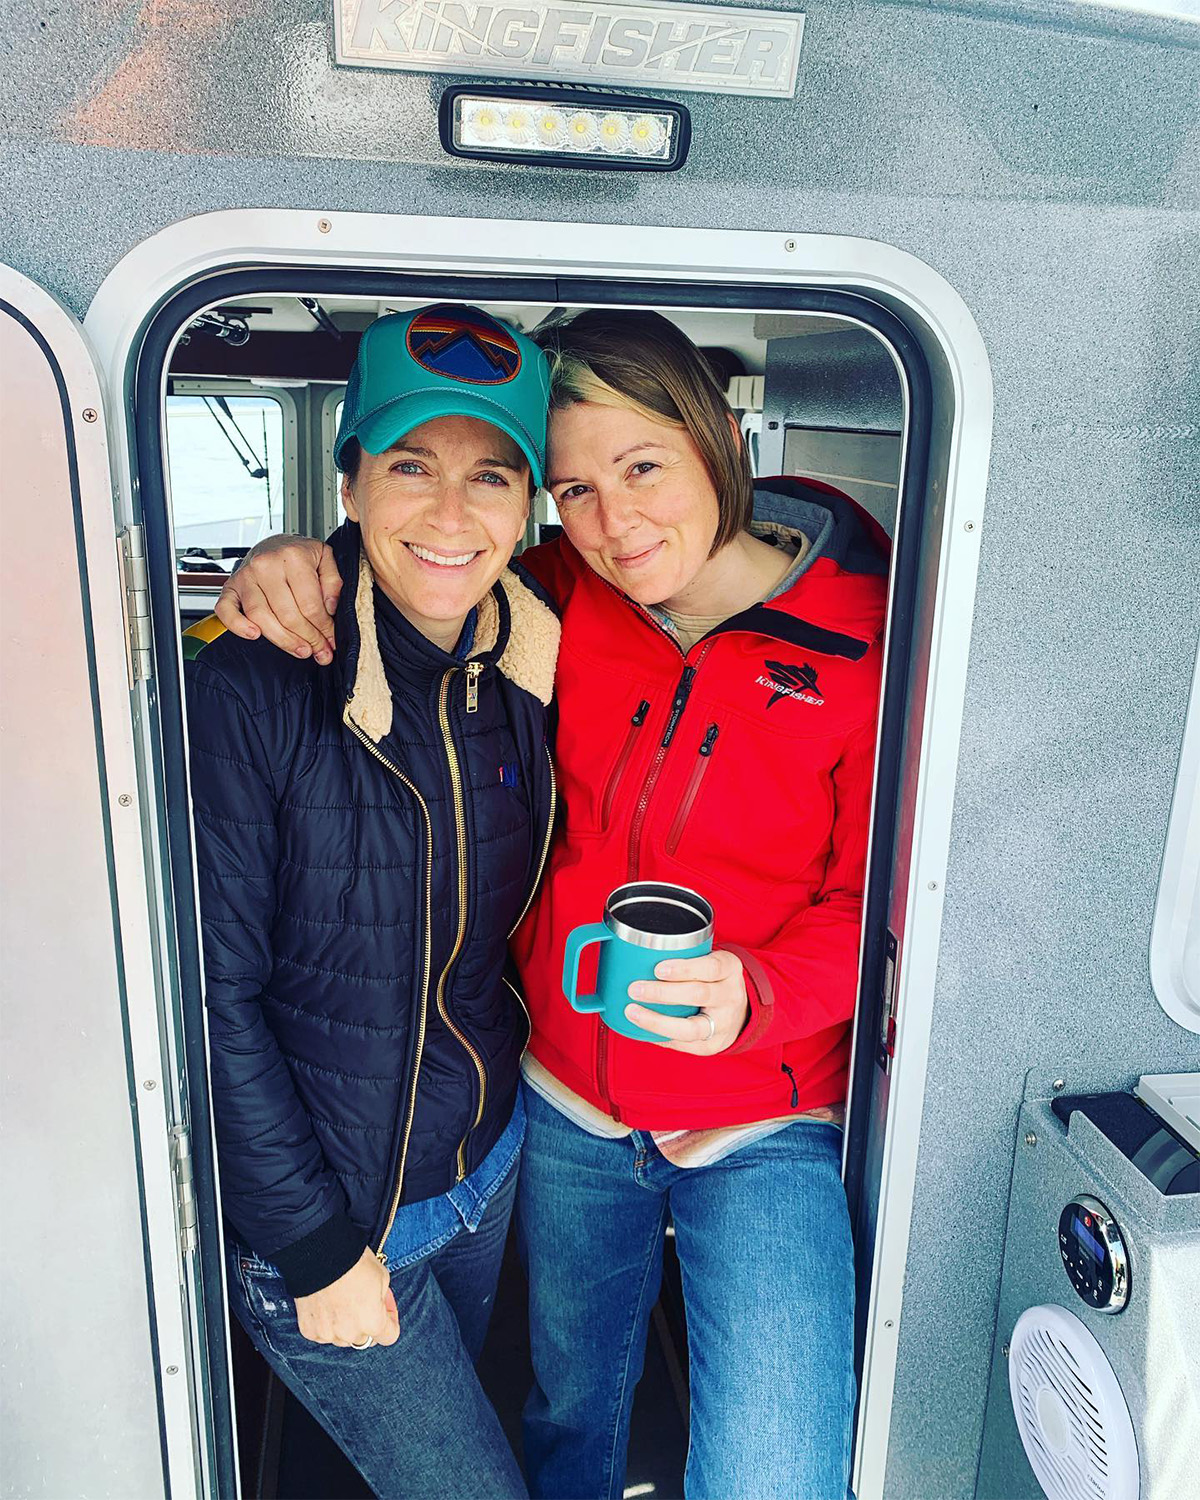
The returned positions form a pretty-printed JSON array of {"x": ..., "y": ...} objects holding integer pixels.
[{"x": 941, "y": 322}]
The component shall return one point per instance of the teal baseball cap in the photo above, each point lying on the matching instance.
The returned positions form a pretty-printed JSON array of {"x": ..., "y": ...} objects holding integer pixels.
[{"x": 445, "y": 361}]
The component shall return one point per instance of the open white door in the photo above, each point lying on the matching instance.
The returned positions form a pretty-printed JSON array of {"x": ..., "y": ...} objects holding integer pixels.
[{"x": 108, "y": 1359}]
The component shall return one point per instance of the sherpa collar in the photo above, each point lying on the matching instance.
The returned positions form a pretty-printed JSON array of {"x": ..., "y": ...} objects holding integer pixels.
[{"x": 527, "y": 660}]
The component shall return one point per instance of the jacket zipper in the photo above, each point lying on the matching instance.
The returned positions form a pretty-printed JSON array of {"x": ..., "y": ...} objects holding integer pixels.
[
  {"x": 631, "y": 739},
  {"x": 602, "y": 1068},
  {"x": 537, "y": 879},
  {"x": 520, "y": 999},
  {"x": 678, "y": 704},
  {"x": 650, "y": 620},
  {"x": 792, "y": 1079},
  {"x": 692, "y": 790},
  {"x": 460, "y": 827},
  {"x": 421, "y": 1024}
]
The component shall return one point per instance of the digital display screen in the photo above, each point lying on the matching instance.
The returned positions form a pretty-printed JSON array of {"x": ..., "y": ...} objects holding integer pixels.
[{"x": 1088, "y": 1240}]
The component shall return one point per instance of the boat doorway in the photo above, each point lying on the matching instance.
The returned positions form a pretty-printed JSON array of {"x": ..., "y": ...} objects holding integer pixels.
[
  {"x": 826, "y": 387},
  {"x": 907, "y": 370}
]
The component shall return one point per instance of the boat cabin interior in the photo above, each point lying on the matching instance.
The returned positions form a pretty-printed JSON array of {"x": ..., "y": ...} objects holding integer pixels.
[{"x": 255, "y": 392}]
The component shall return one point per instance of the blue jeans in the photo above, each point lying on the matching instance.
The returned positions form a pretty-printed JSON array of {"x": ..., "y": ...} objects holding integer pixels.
[
  {"x": 763, "y": 1238},
  {"x": 412, "y": 1416}
]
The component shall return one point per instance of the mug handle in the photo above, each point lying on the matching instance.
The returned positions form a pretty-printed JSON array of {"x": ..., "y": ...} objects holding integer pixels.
[{"x": 577, "y": 941}]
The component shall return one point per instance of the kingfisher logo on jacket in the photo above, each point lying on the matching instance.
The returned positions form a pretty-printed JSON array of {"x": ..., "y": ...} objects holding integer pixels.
[{"x": 791, "y": 682}]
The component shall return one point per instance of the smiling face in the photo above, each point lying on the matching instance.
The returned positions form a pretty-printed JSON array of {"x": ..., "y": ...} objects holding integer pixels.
[
  {"x": 441, "y": 512},
  {"x": 635, "y": 498}
]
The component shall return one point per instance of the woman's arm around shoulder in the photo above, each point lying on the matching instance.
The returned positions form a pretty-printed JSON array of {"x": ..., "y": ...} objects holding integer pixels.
[{"x": 286, "y": 591}]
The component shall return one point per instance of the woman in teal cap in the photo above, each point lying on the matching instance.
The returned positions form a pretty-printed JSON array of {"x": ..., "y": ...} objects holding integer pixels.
[{"x": 367, "y": 838}]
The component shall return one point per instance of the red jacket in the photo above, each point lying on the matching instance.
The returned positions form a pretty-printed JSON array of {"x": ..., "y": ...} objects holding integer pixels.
[{"x": 743, "y": 770}]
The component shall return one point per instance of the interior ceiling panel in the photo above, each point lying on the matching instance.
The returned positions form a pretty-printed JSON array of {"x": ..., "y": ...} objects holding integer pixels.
[{"x": 743, "y": 333}]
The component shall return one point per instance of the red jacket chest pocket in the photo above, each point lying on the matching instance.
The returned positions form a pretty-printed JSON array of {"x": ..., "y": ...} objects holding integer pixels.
[
  {"x": 745, "y": 807},
  {"x": 610, "y": 722},
  {"x": 749, "y": 798}
]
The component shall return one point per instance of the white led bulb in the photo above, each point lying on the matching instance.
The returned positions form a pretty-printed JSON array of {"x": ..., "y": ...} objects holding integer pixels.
[
  {"x": 518, "y": 125},
  {"x": 614, "y": 132},
  {"x": 646, "y": 135},
  {"x": 583, "y": 130},
  {"x": 551, "y": 128},
  {"x": 483, "y": 121}
]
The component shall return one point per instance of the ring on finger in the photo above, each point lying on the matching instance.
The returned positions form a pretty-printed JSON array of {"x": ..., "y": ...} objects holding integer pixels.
[
  {"x": 712, "y": 1026},
  {"x": 366, "y": 1343}
]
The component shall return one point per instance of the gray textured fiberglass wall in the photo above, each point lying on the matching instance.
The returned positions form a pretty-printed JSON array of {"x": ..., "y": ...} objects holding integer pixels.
[{"x": 1044, "y": 159}]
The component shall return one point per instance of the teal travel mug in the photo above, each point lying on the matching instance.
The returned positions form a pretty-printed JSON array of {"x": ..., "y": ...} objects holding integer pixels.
[{"x": 644, "y": 922}]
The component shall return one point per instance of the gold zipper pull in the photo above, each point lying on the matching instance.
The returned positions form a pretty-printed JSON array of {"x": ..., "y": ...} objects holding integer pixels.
[{"x": 474, "y": 668}]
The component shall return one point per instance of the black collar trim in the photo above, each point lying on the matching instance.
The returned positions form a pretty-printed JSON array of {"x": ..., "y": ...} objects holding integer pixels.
[{"x": 802, "y": 633}]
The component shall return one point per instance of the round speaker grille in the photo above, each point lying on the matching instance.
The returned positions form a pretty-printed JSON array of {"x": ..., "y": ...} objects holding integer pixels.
[{"x": 1072, "y": 1417}]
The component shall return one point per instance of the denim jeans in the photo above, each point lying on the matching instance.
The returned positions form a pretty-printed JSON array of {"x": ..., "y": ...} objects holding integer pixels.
[
  {"x": 763, "y": 1238},
  {"x": 411, "y": 1416}
]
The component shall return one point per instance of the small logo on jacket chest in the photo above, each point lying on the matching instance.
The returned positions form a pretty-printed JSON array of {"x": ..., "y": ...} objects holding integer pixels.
[{"x": 791, "y": 681}]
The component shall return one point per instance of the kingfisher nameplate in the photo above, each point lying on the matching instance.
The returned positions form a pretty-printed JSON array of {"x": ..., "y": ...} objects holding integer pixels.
[{"x": 653, "y": 45}]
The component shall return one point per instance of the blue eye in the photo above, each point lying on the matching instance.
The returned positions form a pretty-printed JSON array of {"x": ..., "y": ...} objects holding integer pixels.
[{"x": 489, "y": 476}]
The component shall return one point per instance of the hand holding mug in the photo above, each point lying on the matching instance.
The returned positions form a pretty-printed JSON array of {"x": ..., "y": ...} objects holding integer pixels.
[
  {"x": 714, "y": 983},
  {"x": 645, "y": 922}
]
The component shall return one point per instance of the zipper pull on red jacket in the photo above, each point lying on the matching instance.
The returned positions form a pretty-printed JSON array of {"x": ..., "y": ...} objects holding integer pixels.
[{"x": 678, "y": 704}]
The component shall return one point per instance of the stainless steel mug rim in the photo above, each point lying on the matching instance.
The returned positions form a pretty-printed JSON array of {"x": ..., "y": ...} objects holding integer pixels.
[{"x": 668, "y": 894}]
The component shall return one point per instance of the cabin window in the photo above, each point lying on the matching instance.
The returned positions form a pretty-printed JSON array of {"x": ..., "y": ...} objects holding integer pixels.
[
  {"x": 227, "y": 480},
  {"x": 331, "y": 417},
  {"x": 232, "y": 457}
]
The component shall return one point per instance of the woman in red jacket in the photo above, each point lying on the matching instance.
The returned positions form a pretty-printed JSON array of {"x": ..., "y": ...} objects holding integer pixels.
[{"x": 717, "y": 687}]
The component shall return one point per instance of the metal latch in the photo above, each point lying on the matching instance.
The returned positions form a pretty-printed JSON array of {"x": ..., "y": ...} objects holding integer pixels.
[
  {"x": 138, "y": 632},
  {"x": 886, "y": 1040},
  {"x": 185, "y": 1190}
]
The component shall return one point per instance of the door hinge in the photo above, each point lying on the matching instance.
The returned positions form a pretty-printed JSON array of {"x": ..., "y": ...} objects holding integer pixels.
[
  {"x": 185, "y": 1190},
  {"x": 138, "y": 632}
]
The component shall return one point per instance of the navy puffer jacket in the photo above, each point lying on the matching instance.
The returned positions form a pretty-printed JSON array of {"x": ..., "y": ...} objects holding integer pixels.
[{"x": 367, "y": 836}]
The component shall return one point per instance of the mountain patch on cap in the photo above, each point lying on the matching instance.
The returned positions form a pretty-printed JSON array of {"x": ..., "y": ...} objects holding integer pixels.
[{"x": 462, "y": 343}]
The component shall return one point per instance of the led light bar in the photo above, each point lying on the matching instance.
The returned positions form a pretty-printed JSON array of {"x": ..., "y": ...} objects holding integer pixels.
[{"x": 562, "y": 127}]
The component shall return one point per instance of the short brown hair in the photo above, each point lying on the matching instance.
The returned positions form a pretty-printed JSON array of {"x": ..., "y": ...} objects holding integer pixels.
[{"x": 640, "y": 359}]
